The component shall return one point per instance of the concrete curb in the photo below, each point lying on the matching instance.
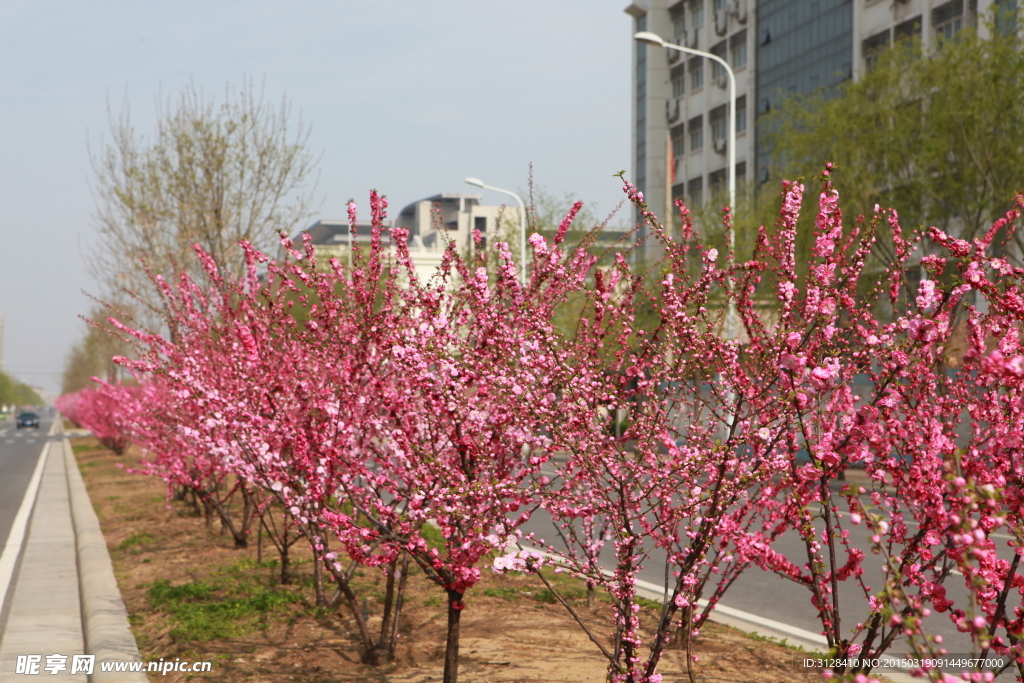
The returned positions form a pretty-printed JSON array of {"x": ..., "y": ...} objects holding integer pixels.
[{"x": 104, "y": 617}]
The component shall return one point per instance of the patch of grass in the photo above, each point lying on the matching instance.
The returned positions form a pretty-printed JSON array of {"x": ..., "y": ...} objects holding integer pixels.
[
  {"x": 112, "y": 498},
  {"x": 136, "y": 540},
  {"x": 433, "y": 536},
  {"x": 86, "y": 447},
  {"x": 649, "y": 604},
  {"x": 506, "y": 593},
  {"x": 234, "y": 601}
]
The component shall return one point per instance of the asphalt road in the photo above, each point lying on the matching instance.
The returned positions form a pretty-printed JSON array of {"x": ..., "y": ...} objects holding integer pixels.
[
  {"x": 770, "y": 596},
  {"x": 19, "y": 452}
]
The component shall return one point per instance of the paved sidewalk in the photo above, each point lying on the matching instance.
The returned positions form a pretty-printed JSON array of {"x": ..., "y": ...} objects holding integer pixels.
[{"x": 65, "y": 599}]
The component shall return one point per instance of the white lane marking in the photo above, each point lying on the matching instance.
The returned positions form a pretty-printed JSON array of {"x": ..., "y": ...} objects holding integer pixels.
[
  {"x": 17, "y": 534},
  {"x": 9, "y": 441},
  {"x": 30, "y": 440},
  {"x": 657, "y": 592}
]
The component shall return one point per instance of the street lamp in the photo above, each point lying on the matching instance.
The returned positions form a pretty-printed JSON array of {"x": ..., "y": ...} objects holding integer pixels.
[
  {"x": 522, "y": 223},
  {"x": 654, "y": 39}
]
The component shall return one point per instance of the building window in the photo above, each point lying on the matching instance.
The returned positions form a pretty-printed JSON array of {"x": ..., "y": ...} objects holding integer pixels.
[
  {"x": 697, "y": 13},
  {"x": 678, "y": 76},
  {"x": 738, "y": 47},
  {"x": 908, "y": 30},
  {"x": 1006, "y": 17},
  {"x": 696, "y": 128},
  {"x": 717, "y": 70},
  {"x": 695, "y": 191},
  {"x": 696, "y": 73},
  {"x": 872, "y": 49},
  {"x": 741, "y": 173},
  {"x": 678, "y": 15},
  {"x": 678, "y": 135},
  {"x": 480, "y": 225},
  {"x": 741, "y": 114},
  {"x": 716, "y": 180},
  {"x": 948, "y": 19},
  {"x": 719, "y": 125},
  {"x": 718, "y": 5}
]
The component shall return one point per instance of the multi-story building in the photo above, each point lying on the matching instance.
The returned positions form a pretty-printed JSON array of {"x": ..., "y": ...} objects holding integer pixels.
[
  {"x": 680, "y": 105},
  {"x": 776, "y": 48},
  {"x": 456, "y": 215},
  {"x": 878, "y": 24}
]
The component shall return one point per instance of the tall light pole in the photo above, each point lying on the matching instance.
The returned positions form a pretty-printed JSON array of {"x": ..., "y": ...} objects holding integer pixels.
[
  {"x": 655, "y": 39},
  {"x": 522, "y": 223}
]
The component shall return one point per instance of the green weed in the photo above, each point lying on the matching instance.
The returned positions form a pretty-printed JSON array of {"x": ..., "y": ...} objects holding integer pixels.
[
  {"x": 506, "y": 593},
  {"x": 233, "y": 602},
  {"x": 433, "y": 536},
  {"x": 136, "y": 540}
]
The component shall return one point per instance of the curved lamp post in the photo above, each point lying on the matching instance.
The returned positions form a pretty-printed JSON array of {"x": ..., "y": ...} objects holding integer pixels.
[
  {"x": 522, "y": 223},
  {"x": 654, "y": 39}
]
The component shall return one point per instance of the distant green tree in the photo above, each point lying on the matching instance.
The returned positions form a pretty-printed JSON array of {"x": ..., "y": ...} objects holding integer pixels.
[
  {"x": 602, "y": 237},
  {"x": 16, "y": 393},
  {"x": 92, "y": 355},
  {"x": 938, "y": 137}
]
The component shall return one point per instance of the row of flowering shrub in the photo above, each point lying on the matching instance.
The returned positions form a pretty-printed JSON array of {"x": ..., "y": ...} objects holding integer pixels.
[{"x": 366, "y": 404}]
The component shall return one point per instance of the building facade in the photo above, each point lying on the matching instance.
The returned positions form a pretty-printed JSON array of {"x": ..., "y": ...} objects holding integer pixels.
[
  {"x": 432, "y": 223},
  {"x": 680, "y": 103},
  {"x": 878, "y": 24},
  {"x": 776, "y": 48}
]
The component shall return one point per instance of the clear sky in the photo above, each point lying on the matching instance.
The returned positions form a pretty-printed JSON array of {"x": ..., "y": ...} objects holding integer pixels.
[{"x": 405, "y": 96}]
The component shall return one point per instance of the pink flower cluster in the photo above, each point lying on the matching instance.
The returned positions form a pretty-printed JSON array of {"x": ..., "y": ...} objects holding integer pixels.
[{"x": 369, "y": 408}]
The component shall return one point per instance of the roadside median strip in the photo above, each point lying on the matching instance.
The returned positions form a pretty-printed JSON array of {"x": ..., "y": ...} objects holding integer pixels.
[
  {"x": 104, "y": 617},
  {"x": 62, "y": 607}
]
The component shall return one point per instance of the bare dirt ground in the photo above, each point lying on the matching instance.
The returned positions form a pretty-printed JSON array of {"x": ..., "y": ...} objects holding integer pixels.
[{"x": 190, "y": 595}]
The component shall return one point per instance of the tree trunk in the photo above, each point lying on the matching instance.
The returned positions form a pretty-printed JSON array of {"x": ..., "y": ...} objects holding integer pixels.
[
  {"x": 318, "y": 582},
  {"x": 384, "y": 643},
  {"x": 451, "y": 651},
  {"x": 286, "y": 566}
]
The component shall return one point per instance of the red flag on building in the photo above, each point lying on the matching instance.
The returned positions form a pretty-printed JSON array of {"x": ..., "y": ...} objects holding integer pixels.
[{"x": 670, "y": 157}]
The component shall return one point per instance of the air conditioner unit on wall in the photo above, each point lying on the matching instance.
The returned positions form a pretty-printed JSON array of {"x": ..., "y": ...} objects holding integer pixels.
[
  {"x": 738, "y": 8},
  {"x": 691, "y": 38},
  {"x": 722, "y": 81},
  {"x": 721, "y": 22},
  {"x": 674, "y": 55},
  {"x": 672, "y": 110},
  {"x": 720, "y": 145}
]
